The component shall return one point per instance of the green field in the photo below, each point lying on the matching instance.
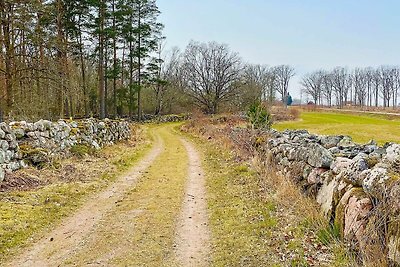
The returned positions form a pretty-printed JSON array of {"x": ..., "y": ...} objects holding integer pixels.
[{"x": 362, "y": 128}]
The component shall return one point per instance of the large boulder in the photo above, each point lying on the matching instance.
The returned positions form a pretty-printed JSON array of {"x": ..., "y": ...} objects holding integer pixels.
[
  {"x": 351, "y": 215},
  {"x": 356, "y": 215},
  {"x": 325, "y": 196},
  {"x": 319, "y": 157}
]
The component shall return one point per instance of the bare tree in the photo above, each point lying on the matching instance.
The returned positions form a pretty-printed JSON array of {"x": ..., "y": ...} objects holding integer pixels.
[
  {"x": 369, "y": 76},
  {"x": 312, "y": 85},
  {"x": 283, "y": 75},
  {"x": 210, "y": 72},
  {"x": 396, "y": 86},
  {"x": 342, "y": 82},
  {"x": 166, "y": 75},
  {"x": 257, "y": 85},
  {"x": 386, "y": 78},
  {"x": 327, "y": 87},
  {"x": 360, "y": 86}
]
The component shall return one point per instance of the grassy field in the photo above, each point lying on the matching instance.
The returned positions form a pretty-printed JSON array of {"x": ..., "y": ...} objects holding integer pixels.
[{"x": 362, "y": 128}]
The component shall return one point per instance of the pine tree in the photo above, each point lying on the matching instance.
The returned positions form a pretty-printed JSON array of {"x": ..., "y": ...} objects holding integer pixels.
[{"x": 146, "y": 32}]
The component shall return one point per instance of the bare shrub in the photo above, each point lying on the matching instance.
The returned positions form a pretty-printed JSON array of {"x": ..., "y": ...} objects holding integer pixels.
[{"x": 280, "y": 113}]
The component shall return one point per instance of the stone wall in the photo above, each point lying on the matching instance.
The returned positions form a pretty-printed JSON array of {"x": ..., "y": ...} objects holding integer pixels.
[
  {"x": 23, "y": 143},
  {"x": 357, "y": 186}
]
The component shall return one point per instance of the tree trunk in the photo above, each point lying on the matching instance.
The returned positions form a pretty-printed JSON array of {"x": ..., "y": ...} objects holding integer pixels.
[
  {"x": 131, "y": 79},
  {"x": 62, "y": 56},
  {"x": 114, "y": 60},
  {"x": 139, "y": 89},
  {"x": 101, "y": 60},
  {"x": 6, "y": 20},
  {"x": 106, "y": 79},
  {"x": 83, "y": 73}
]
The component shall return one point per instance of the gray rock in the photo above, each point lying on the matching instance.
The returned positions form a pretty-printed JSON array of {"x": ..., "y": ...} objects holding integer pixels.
[
  {"x": 10, "y": 137},
  {"x": 392, "y": 153},
  {"x": 45, "y": 134},
  {"x": 315, "y": 175},
  {"x": 5, "y": 127},
  {"x": 2, "y": 174},
  {"x": 334, "y": 150},
  {"x": 346, "y": 142},
  {"x": 23, "y": 164},
  {"x": 306, "y": 171},
  {"x": 375, "y": 181},
  {"x": 360, "y": 162},
  {"x": 319, "y": 157},
  {"x": 370, "y": 148},
  {"x": 14, "y": 166},
  {"x": 13, "y": 145},
  {"x": 330, "y": 141},
  {"x": 47, "y": 125},
  {"x": 2, "y": 134},
  {"x": 2, "y": 156},
  {"x": 18, "y": 155},
  {"x": 340, "y": 164},
  {"x": 101, "y": 125},
  {"x": 33, "y": 135},
  {"x": 352, "y": 174},
  {"x": 4, "y": 145},
  {"x": 19, "y": 133},
  {"x": 9, "y": 155},
  {"x": 40, "y": 125}
]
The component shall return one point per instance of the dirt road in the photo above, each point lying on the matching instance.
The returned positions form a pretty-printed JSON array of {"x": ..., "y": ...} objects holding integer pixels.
[{"x": 155, "y": 215}]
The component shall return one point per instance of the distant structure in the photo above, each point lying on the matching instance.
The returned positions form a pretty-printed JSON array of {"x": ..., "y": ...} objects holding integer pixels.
[{"x": 289, "y": 100}]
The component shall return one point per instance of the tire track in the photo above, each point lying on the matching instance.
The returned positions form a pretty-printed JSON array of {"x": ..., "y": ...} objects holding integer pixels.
[
  {"x": 193, "y": 234},
  {"x": 54, "y": 249}
]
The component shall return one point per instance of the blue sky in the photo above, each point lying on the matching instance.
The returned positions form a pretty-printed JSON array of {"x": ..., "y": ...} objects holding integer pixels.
[{"x": 307, "y": 34}]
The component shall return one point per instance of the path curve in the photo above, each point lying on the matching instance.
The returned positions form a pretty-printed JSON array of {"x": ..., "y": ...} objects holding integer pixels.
[
  {"x": 193, "y": 235},
  {"x": 54, "y": 248}
]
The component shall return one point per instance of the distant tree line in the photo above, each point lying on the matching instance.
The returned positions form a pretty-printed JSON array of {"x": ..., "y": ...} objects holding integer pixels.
[
  {"x": 362, "y": 87},
  {"x": 62, "y": 58},
  {"x": 216, "y": 78}
]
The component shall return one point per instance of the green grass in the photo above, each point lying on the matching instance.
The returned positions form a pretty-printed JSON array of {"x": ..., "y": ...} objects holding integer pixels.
[
  {"x": 26, "y": 216},
  {"x": 362, "y": 128}
]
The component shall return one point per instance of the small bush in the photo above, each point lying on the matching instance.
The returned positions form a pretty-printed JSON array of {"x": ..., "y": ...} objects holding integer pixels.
[
  {"x": 285, "y": 114},
  {"x": 294, "y": 113},
  {"x": 259, "y": 117}
]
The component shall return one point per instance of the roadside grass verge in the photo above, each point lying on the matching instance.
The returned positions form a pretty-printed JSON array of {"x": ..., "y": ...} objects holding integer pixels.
[
  {"x": 141, "y": 228},
  {"x": 362, "y": 128},
  {"x": 259, "y": 218},
  {"x": 26, "y": 215}
]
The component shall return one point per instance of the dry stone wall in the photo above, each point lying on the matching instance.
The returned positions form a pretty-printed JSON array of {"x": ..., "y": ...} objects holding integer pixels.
[
  {"x": 23, "y": 143},
  {"x": 357, "y": 186}
]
